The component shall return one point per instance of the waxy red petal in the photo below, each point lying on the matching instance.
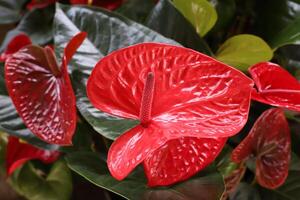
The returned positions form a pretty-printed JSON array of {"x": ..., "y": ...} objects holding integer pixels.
[
  {"x": 193, "y": 92},
  {"x": 39, "y": 4},
  {"x": 179, "y": 159},
  {"x": 15, "y": 45},
  {"x": 18, "y": 153},
  {"x": 42, "y": 92},
  {"x": 269, "y": 141},
  {"x": 108, "y": 4},
  {"x": 275, "y": 86},
  {"x": 131, "y": 148}
]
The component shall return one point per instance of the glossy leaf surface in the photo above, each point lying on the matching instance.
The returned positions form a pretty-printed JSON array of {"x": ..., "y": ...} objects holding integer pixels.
[
  {"x": 51, "y": 113},
  {"x": 15, "y": 45},
  {"x": 275, "y": 86},
  {"x": 200, "y": 13},
  {"x": 182, "y": 31},
  {"x": 193, "y": 95},
  {"x": 242, "y": 51},
  {"x": 12, "y": 124},
  {"x": 269, "y": 141},
  {"x": 18, "y": 153},
  {"x": 68, "y": 21},
  {"x": 10, "y": 11},
  {"x": 33, "y": 186},
  {"x": 179, "y": 159},
  {"x": 94, "y": 169}
]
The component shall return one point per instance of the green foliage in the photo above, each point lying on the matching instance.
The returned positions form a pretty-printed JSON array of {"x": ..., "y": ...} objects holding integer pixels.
[
  {"x": 242, "y": 51},
  {"x": 200, "y": 13},
  {"x": 208, "y": 184},
  {"x": 29, "y": 182}
]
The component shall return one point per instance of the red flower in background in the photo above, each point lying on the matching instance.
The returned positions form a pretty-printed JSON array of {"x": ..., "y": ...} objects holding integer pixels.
[
  {"x": 14, "y": 45},
  {"x": 187, "y": 103},
  {"x": 275, "y": 86},
  {"x": 269, "y": 142},
  {"x": 18, "y": 153},
  {"x": 108, "y": 4},
  {"x": 42, "y": 92}
]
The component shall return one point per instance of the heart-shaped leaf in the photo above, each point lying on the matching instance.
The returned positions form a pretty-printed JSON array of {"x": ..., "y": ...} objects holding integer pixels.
[
  {"x": 242, "y": 51},
  {"x": 207, "y": 184},
  {"x": 11, "y": 123},
  {"x": 199, "y": 12},
  {"x": 68, "y": 21},
  {"x": 51, "y": 113},
  {"x": 275, "y": 86},
  {"x": 57, "y": 185},
  {"x": 268, "y": 141},
  {"x": 182, "y": 31}
]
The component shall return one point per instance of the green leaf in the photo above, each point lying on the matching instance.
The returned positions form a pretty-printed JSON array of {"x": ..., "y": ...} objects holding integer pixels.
[
  {"x": 10, "y": 10},
  {"x": 12, "y": 124},
  {"x": 207, "y": 184},
  {"x": 199, "y": 12},
  {"x": 289, "y": 35},
  {"x": 225, "y": 10},
  {"x": 107, "y": 32},
  {"x": 182, "y": 31},
  {"x": 242, "y": 51},
  {"x": 136, "y": 10},
  {"x": 37, "y": 24},
  {"x": 56, "y": 186},
  {"x": 245, "y": 191}
]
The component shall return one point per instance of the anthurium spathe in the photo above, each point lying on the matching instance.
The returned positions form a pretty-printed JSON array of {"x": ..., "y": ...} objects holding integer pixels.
[
  {"x": 19, "y": 152},
  {"x": 269, "y": 142},
  {"x": 14, "y": 45},
  {"x": 275, "y": 86},
  {"x": 42, "y": 92},
  {"x": 108, "y": 4},
  {"x": 176, "y": 93}
]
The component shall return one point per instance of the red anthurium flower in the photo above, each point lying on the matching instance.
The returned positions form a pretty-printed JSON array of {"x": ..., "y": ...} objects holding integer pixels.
[
  {"x": 269, "y": 141},
  {"x": 275, "y": 86},
  {"x": 18, "y": 153},
  {"x": 42, "y": 92},
  {"x": 108, "y": 4},
  {"x": 39, "y": 4},
  {"x": 15, "y": 45},
  {"x": 176, "y": 93}
]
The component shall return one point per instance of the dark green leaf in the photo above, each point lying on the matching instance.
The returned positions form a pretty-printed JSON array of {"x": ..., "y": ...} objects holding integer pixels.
[
  {"x": 207, "y": 184},
  {"x": 182, "y": 31},
  {"x": 226, "y": 11},
  {"x": 56, "y": 186},
  {"x": 289, "y": 35},
  {"x": 2, "y": 82},
  {"x": 136, "y": 10},
  {"x": 12, "y": 124},
  {"x": 245, "y": 192},
  {"x": 37, "y": 24},
  {"x": 107, "y": 32},
  {"x": 10, "y": 10}
]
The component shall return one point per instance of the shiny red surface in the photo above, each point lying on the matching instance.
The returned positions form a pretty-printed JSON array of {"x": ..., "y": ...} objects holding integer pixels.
[
  {"x": 42, "y": 92},
  {"x": 108, "y": 4},
  {"x": 275, "y": 86},
  {"x": 193, "y": 96},
  {"x": 181, "y": 158},
  {"x": 39, "y": 4},
  {"x": 269, "y": 141},
  {"x": 18, "y": 153},
  {"x": 15, "y": 45}
]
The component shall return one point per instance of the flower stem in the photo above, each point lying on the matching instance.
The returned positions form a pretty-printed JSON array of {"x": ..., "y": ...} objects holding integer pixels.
[{"x": 147, "y": 99}]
